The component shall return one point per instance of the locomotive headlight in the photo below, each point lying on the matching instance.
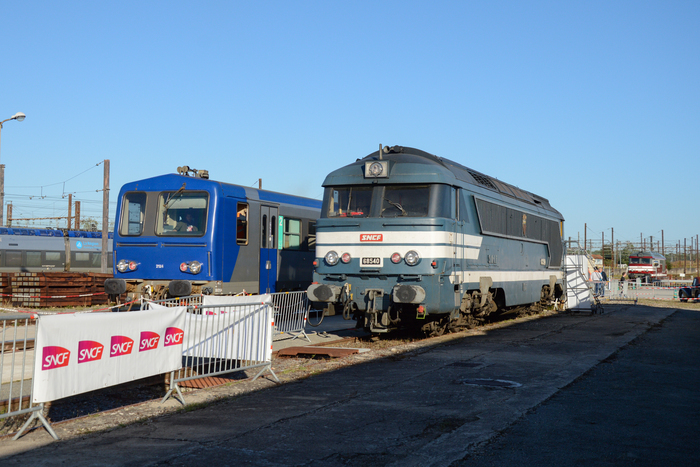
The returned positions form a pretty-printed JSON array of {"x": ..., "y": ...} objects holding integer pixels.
[
  {"x": 412, "y": 258},
  {"x": 331, "y": 258},
  {"x": 376, "y": 169},
  {"x": 345, "y": 258},
  {"x": 396, "y": 258}
]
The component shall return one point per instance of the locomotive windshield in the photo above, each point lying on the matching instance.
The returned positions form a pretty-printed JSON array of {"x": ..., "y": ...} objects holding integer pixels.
[
  {"x": 349, "y": 201},
  {"x": 634, "y": 260},
  {"x": 388, "y": 201}
]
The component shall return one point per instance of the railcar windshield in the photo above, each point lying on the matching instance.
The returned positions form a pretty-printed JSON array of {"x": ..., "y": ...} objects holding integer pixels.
[
  {"x": 389, "y": 201},
  {"x": 182, "y": 213},
  {"x": 640, "y": 260}
]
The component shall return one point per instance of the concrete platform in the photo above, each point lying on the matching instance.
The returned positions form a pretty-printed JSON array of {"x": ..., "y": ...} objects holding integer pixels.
[
  {"x": 419, "y": 405},
  {"x": 332, "y": 328}
]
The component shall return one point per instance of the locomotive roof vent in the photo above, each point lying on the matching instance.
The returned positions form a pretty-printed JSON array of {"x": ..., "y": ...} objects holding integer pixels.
[{"x": 185, "y": 170}]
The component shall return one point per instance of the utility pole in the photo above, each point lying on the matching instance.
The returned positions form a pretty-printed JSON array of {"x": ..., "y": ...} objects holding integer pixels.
[
  {"x": 663, "y": 250},
  {"x": 585, "y": 236},
  {"x": 105, "y": 216},
  {"x": 70, "y": 210}
]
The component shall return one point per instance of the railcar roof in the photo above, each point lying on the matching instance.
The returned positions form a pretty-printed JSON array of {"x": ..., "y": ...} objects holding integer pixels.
[{"x": 446, "y": 169}]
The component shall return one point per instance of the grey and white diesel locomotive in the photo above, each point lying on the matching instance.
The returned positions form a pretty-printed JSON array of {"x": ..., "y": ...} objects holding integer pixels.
[{"x": 410, "y": 239}]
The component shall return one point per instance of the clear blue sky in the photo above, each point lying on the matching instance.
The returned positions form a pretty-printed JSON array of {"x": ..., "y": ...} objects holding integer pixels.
[{"x": 591, "y": 104}]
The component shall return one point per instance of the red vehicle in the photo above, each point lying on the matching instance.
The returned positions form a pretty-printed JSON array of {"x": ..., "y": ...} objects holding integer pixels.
[{"x": 647, "y": 265}]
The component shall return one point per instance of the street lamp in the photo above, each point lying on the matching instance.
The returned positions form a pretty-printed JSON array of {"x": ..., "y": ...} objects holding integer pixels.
[{"x": 19, "y": 116}]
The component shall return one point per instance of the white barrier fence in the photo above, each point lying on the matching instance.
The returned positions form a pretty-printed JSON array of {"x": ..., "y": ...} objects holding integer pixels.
[
  {"x": 191, "y": 337},
  {"x": 223, "y": 335},
  {"x": 291, "y": 310},
  {"x": 17, "y": 367},
  {"x": 291, "y": 313}
]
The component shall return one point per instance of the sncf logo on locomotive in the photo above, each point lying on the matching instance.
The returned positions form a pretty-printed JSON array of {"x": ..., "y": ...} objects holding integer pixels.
[
  {"x": 371, "y": 237},
  {"x": 173, "y": 336},
  {"x": 149, "y": 341},
  {"x": 89, "y": 351},
  {"x": 54, "y": 357},
  {"x": 121, "y": 345}
]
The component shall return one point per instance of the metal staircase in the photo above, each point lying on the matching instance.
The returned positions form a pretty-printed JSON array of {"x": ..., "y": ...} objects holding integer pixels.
[{"x": 579, "y": 289}]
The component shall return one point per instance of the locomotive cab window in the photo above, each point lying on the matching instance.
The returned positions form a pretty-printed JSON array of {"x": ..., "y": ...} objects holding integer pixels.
[
  {"x": 134, "y": 207},
  {"x": 182, "y": 213},
  {"x": 348, "y": 201}
]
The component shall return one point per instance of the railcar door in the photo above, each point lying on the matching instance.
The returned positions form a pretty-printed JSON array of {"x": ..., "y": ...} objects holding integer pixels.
[{"x": 268, "y": 248}]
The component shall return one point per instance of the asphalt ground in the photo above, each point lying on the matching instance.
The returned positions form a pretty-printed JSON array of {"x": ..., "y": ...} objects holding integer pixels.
[{"x": 612, "y": 389}]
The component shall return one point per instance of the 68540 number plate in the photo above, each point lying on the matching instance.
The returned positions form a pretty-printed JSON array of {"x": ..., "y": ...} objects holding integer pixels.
[{"x": 371, "y": 262}]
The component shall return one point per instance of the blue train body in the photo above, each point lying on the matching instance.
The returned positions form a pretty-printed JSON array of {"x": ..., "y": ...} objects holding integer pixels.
[
  {"x": 178, "y": 234},
  {"x": 407, "y": 238}
]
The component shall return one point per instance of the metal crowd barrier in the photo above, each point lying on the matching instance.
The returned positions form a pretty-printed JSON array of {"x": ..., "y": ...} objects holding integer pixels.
[
  {"x": 221, "y": 339},
  {"x": 291, "y": 313},
  {"x": 17, "y": 370}
]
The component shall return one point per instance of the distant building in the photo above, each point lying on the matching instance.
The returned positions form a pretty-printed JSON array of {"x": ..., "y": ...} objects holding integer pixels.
[{"x": 598, "y": 259}]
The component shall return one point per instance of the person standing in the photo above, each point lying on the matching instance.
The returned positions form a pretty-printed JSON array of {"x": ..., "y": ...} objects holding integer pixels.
[
  {"x": 596, "y": 278},
  {"x": 604, "y": 278}
]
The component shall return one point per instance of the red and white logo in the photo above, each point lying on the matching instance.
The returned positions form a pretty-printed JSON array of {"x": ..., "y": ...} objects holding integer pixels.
[
  {"x": 121, "y": 345},
  {"x": 173, "y": 336},
  {"x": 371, "y": 237},
  {"x": 89, "y": 351},
  {"x": 54, "y": 357},
  {"x": 149, "y": 341}
]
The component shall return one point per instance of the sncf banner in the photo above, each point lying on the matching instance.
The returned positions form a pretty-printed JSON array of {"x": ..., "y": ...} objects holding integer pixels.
[{"x": 76, "y": 353}]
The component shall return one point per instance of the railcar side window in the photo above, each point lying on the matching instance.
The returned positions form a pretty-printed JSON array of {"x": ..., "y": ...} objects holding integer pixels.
[
  {"x": 134, "y": 205},
  {"x": 291, "y": 234},
  {"x": 182, "y": 213},
  {"x": 13, "y": 259},
  {"x": 351, "y": 201},
  {"x": 242, "y": 223},
  {"x": 34, "y": 259}
]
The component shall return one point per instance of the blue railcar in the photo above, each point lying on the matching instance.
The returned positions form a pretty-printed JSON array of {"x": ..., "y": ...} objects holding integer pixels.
[
  {"x": 24, "y": 249},
  {"x": 406, "y": 238},
  {"x": 182, "y": 234}
]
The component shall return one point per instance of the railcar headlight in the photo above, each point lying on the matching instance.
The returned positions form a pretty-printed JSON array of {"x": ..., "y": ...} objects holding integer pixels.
[
  {"x": 331, "y": 258},
  {"x": 412, "y": 258},
  {"x": 195, "y": 267},
  {"x": 126, "y": 266},
  {"x": 396, "y": 258},
  {"x": 345, "y": 258}
]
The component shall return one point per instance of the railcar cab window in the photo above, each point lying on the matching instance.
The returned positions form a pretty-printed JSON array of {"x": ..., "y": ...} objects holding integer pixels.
[
  {"x": 182, "y": 213},
  {"x": 640, "y": 260},
  {"x": 134, "y": 206},
  {"x": 390, "y": 201}
]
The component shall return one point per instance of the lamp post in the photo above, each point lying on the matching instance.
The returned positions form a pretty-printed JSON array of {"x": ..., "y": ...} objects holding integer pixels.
[{"x": 19, "y": 116}]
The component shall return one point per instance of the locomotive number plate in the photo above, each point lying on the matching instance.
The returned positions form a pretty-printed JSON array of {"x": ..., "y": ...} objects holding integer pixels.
[{"x": 367, "y": 262}]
